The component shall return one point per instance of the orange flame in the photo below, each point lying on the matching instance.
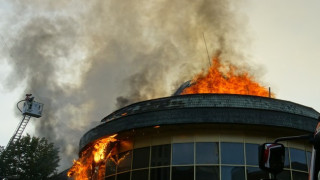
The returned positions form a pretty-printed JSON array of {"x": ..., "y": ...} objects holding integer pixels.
[
  {"x": 214, "y": 81},
  {"x": 91, "y": 164}
]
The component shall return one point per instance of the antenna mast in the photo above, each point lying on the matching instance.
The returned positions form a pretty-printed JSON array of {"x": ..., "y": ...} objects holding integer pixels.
[{"x": 205, "y": 43}]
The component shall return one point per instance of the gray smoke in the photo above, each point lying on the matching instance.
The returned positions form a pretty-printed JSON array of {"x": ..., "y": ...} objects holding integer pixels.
[{"x": 84, "y": 59}]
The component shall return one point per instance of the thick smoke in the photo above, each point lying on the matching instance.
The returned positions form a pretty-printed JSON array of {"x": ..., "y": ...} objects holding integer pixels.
[{"x": 84, "y": 59}]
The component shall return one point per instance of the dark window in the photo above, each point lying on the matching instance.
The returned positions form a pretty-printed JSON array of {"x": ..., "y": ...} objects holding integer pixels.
[
  {"x": 160, "y": 173},
  {"x": 207, "y": 153},
  {"x": 124, "y": 160},
  {"x": 298, "y": 159},
  {"x": 160, "y": 155},
  {"x": 182, "y": 172},
  {"x": 252, "y": 154},
  {"x": 254, "y": 173},
  {"x": 182, "y": 153},
  {"x": 232, "y": 173},
  {"x": 284, "y": 175},
  {"x": 232, "y": 153},
  {"x": 123, "y": 176},
  {"x": 110, "y": 167},
  {"x": 207, "y": 173},
  {"x": 140, "y": 175},
  {"x": 141, "y": 158},
  {"x": 299, "y": 176},
  {"x": 110, "y": 178},
  {"x": 286, "y": 158}
]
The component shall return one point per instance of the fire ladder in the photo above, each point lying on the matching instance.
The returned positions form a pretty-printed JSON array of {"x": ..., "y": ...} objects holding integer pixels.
[
  {"x": 18, "y": 132},
  {"x": 30, "y": 109}
]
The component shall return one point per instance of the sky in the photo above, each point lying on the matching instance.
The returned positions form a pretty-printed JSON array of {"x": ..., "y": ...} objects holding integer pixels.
[
  {"x": 282, "y": 43},
  {"x": 286, "y": 43}
]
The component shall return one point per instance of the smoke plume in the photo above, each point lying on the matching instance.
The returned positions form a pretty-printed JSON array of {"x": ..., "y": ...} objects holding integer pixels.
[{"x": 84, "y": 59}]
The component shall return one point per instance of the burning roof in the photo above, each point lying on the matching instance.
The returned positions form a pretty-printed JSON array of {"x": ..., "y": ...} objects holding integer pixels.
[
  {"x": 220, "y": 79},
  {"x": 223, "y": 79}
]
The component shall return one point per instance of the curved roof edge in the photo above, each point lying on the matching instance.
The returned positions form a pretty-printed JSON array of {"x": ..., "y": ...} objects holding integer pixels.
[
  {"x": 197, "y": 109},
  {"x": 212, "y": 100}
]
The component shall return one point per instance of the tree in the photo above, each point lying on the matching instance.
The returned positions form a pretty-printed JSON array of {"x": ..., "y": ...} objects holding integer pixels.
[{"x": 29, "y": 158}]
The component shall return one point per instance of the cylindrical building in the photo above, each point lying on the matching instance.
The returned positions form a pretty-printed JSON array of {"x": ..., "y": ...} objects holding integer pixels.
[{"x": 203, "y": 136}]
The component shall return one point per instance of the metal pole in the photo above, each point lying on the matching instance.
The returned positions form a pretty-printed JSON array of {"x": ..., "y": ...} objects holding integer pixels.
[{"x": 205, "y": 43}]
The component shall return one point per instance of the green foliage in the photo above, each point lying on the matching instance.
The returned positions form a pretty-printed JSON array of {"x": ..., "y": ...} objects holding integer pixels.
[{"x": 30, "y": 158}]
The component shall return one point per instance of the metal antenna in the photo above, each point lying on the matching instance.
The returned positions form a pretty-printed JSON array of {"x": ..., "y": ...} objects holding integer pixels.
[
  {"x": 204, "y": 39},
  {"x": 269, "y": 92}
]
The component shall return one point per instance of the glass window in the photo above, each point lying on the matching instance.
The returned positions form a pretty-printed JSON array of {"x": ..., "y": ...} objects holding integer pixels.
[
  {"x": 110, "y": 178},
  {"x": 182, "y": 153},
  {"x": 252, "y": 154},
  {"x": 182, "y": 172},
  {"x": 160, "y": 155},
  {"x": 286, "y": 158},
  {"x": 207, "y": 153},
  {"x": 232, "y": 153},
  {"x": 232, "y": 173},
  {"x": 124, "y": 160},
  {"x": 299, "y": 175},
  {"x": 284, "y": 175},
  {"x": 308, "y": 158},
  {"x": 141, "y": 158},
  {"x": 140, "y": 175},
  {"x": 110, "y": 167},
  {"x": 254, "y": 173},
  {"x": 123, "y": 176},
  {"x": 160, "y": 173},
  {"x": 298, "y": 159},
  {"x": 207, "y": 173}
]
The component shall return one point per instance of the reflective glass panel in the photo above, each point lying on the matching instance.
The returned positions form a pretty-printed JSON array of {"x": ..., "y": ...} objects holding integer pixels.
[
  {"x": 207, "y": 173},
  {"x": 232, "y": 153},
  {"x": 123, "y": 176},
  {"x": 124, "y": 160},
  {"x": 140, "y": 175},
  {"x": 286, "y": 158},
  {"x": 182, "y": 153},
  {"x": 110, "y": 178},
  {"x": 299, "y": 175},
  {"x": 160, "y": 155},
  {"x": 232, "y": 173},
  {"x": 252, "y": 154},
  {"x": 141, "y": 158},
  {"x": 207, "y": 153},
  {"x": 298, "y": 159},
  {"x": 308, "y": 158},
  {"x": 284, "y": 175},
  {"x": 182, "y": 172},
  {"x": 160, "y": 173},
  {"x": 255, "y": 173},
  {"x": 110, "y": 167}
]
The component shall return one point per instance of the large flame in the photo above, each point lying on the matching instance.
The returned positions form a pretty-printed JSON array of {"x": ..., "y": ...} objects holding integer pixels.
[
  {"x": 91, "y": 164},
  {"x": 229, "y": 82}
]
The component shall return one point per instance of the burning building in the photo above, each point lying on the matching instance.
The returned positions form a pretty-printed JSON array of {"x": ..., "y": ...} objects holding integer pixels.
[{"x": 196, "y": 135}]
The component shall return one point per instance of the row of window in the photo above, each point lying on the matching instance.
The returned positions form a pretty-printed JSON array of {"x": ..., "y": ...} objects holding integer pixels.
[
  {"x": 197, "y": 159},
  {"x": 205, "y": 173}
]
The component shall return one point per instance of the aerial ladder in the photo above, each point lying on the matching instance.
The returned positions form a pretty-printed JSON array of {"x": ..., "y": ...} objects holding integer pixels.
[{"x": 30, "y": 109}]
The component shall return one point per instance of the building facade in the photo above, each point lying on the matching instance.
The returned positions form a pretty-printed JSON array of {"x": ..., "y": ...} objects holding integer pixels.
[{"x": 204, "y": 137}]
